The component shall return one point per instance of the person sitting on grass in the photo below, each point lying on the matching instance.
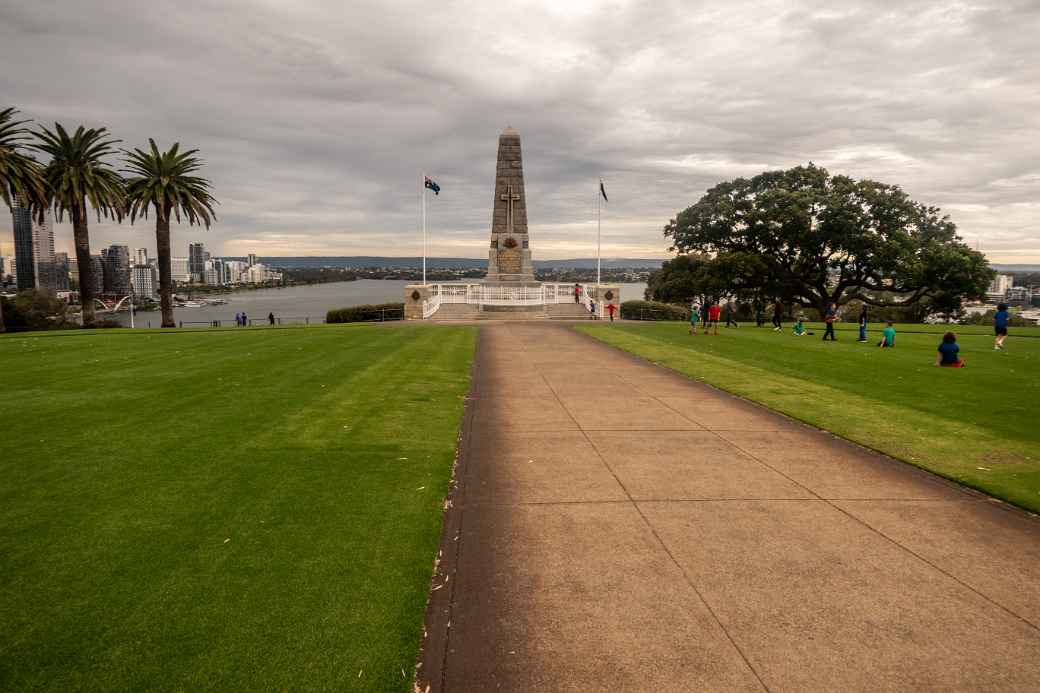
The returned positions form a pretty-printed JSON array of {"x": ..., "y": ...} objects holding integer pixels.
[
  {"x": 1000, "y": 325},
  {"x": 888, "y": 337},
  {"x": 799, "y": 327},
  {"x": 695, "y": 316},
  {"x": 948, "y": 355}
]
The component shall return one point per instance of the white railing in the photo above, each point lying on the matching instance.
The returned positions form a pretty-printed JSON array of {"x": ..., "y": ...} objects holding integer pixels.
[{"x": 490, "y": 295}]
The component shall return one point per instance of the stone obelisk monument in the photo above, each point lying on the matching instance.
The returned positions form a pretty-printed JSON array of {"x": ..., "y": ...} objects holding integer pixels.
[{"x": 509, "y": 260}]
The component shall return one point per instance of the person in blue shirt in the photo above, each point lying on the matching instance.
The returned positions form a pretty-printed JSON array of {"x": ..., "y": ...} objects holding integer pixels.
[
  {"x": 1000, "y": 325},
  {"x": 948, "y": 355}
]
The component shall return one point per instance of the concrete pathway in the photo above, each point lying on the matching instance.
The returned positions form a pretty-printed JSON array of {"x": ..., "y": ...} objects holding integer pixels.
[{"x": 620, "y": 527}]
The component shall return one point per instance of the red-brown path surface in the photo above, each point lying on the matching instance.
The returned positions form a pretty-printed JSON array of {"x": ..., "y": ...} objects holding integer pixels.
[{"x": 618, "y": 527}]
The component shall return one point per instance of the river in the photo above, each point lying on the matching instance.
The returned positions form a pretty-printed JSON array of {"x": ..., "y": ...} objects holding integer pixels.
[{"x": 300, "y": 303}]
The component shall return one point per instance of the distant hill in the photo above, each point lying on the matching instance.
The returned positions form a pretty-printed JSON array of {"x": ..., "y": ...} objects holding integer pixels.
[
  {"x": 1016, "y": 268},
  {"x": 443, "y": 262}
]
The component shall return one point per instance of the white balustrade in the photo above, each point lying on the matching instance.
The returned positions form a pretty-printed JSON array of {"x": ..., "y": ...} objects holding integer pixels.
[{"x": 490, "y": 295}]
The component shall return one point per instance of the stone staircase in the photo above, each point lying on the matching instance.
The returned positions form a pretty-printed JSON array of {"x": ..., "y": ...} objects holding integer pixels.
[{"x": 567, "y": 311}]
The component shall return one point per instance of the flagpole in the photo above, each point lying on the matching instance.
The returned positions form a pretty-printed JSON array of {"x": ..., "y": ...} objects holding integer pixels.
[
  {"x": 423, "y": 189},
  {"x": 599, "y": 205}
]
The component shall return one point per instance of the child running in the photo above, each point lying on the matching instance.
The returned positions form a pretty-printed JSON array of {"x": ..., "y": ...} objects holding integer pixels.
[
  {"x": 888, "y": 337},
  {"x": 1000, "y": 325},
  {"x": 948, "y": 355}
]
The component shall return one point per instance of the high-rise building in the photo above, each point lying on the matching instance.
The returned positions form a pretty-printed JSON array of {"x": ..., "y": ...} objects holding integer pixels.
[
  {"x": 61, "y": 271},
  {"x": 196, "y": 261},
  {"x": 998, "y": 288},
  {"x": 141, "y": 256},
  {"x": 34, "y": 250},
  {"x": 116, "y": 259},
  {"x": 251, "y": 259},
  {"x": 144, "y": 279},
  {"x": 179, "y": 270}
]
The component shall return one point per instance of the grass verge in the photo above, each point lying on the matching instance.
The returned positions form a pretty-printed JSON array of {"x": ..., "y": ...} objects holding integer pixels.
[
  {"x": 976, "y": 425},
  {"x": 239, "y": 510}
]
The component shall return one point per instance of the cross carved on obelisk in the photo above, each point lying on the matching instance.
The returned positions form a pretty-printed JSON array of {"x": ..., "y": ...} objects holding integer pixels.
[{"x": 510, "y": 197}]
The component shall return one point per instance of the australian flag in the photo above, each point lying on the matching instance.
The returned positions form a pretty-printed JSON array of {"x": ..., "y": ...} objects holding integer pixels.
[{"x": 432, "y": 186}]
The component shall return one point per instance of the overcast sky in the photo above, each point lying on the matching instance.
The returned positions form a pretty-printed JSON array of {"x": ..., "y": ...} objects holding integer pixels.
[{"x": 315, "y": 118}]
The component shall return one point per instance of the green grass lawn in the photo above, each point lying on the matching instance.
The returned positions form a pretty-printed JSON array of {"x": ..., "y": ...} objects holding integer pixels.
[
  {"x": 979, "y": 425},
  {"x": 237, "y": 510}
]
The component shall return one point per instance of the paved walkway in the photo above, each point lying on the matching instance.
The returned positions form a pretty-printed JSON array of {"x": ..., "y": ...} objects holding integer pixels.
[{"x": 619, "y": 527}]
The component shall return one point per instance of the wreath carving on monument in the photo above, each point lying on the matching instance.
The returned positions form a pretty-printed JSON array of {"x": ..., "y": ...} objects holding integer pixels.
[
  {"x": 510, "y": 243},
  {"x": 416, "y": 295},
  {"x": 609, "y": 295}
]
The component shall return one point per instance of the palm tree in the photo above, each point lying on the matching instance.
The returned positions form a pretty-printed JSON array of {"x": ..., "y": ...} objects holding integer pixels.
[
  {"x": 164, "y": 181},
  {"x": 78, "y": 174},
  {"x": 21, "y": 179}
]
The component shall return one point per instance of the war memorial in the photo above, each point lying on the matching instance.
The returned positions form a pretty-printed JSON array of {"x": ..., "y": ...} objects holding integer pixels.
[{"x": 510, "y": 290}]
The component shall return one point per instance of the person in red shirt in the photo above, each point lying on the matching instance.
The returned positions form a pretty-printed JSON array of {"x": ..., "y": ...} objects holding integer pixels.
[
  {"x": 610, "y": 309},
  {"x": 714, "y": 313}
]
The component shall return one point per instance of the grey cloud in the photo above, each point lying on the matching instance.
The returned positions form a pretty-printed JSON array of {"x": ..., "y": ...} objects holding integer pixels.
[{"x": 315, "y": 118}]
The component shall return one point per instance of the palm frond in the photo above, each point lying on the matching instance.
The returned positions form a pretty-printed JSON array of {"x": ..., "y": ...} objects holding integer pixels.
[
  {"x": 163, "y": 181},
  {"x": 78, "y": 173}
]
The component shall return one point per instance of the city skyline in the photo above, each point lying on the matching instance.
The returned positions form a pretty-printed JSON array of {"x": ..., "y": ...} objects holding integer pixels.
[{"x": 359, "y": 101}]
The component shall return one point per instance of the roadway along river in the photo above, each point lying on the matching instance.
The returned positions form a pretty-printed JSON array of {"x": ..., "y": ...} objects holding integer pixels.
[{"x": 296, "y": 303}]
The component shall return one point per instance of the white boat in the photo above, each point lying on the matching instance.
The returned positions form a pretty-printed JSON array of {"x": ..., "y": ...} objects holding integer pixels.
[{"x": 191, "y": 304}]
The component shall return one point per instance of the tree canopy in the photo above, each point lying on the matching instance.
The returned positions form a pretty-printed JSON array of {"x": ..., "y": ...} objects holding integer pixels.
[{"x": 810, "y": 238}]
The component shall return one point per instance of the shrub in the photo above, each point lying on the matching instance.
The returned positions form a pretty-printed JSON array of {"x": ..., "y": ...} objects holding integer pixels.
[
  {"x": 369, "y": 313},
  {"x": 653, "y": 310}
]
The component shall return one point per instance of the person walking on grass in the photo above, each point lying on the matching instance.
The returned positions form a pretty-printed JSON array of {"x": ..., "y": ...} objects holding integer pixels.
[
  {"x": 1000, "y": 325},
  {"x": 270, "y": 318},
  {"x": 888, "y": 337},
  {"x": 714, "y": 313},
  {"x": 778, "y": 313},
  {"x": 610, "y": 310},
  {"x": 948, "y": 355},
  {"x": 704, "y": 316},
  {"x": 695, "y": 316},
  {"x": 730, "y": 320},
  {"x": 238, "y": 319},
  {"x": 830, "y": 317},
  {"x": 863, "y": 323}
]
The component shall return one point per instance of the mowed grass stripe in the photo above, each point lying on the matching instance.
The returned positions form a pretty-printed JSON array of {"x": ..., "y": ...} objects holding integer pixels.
[
  {"x": 243, "y": 510},
  {"x": 976, "y": 425}
]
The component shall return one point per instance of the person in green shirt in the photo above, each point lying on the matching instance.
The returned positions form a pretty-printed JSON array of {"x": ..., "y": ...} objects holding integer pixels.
[
  {"x": 695, "y": 314},
  {"x": 799, "y": 327},
  {"x": 888, "y": 337}
]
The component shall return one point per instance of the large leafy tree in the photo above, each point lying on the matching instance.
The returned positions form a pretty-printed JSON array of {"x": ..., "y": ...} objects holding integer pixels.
[
  {"x": 165, "y": 181},
  {"x": 78, "y": 175},
  {"x": 812, "y": 238},
  {"x": 21, "y": 178}
]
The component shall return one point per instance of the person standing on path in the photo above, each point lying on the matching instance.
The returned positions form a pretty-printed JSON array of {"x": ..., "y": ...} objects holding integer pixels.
[
  {"x": 270, "y": 317},
  {"x": 1000, "y": 325},
  {"x": 830, "y": 317},
  {"x": 778, "y": 312},
  {"x": 611, "y": 308},
  {"x": 592, "y": 309},
  {"x": 863, "y": 323},
  {"x": 695, "y": 315},
  {"x": 714, "y": 313}
]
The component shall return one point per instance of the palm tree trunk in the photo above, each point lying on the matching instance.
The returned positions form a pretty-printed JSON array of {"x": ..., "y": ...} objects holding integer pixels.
[
  {"x": 162, "y": 246},
  {"x": 86, "y": 268}
]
